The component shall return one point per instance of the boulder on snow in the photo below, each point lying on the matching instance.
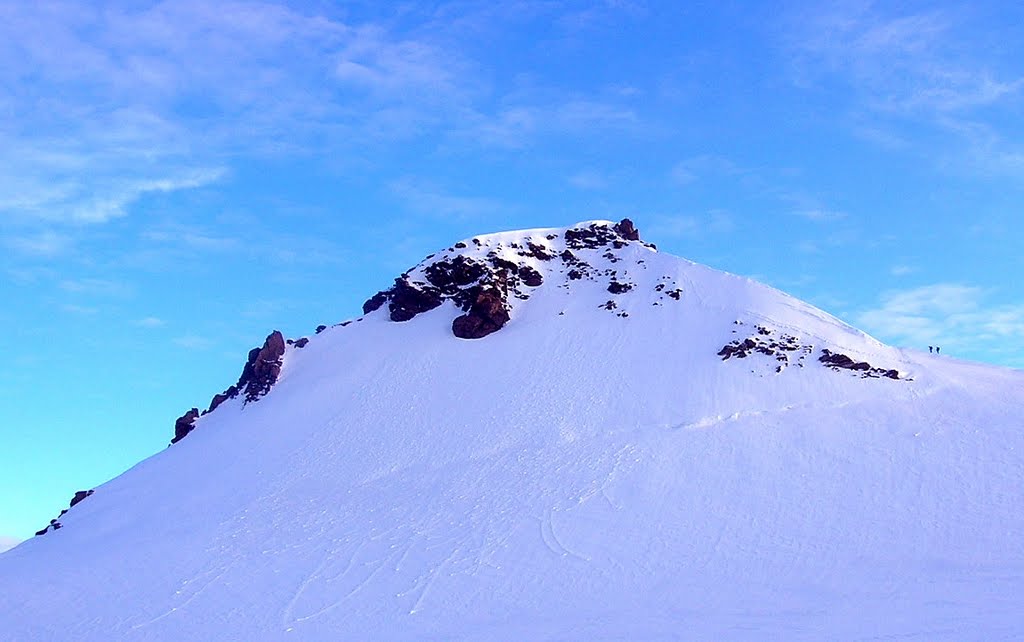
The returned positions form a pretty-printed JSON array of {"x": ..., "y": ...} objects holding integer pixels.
[
  {"x": 627, "y": 230},
  {"x": 76, "y": 499},
  {"x": 487, "y": 314},
  {"x": 184, "y": 424}
]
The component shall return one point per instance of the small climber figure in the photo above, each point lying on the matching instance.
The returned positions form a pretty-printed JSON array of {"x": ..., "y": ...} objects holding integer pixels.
[
  {"x": 931, "y": 349},
  {"x": 937, "y": 348}
]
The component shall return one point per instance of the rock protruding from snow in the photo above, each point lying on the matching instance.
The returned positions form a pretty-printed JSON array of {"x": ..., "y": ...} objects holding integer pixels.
[
  {"x": 482, "y": 276},
  {"x": 54, "y": 523},
  {"x": 259, "y": 374},
  {"x": 262, "y": 368},
  {"x": 838, "y": 361},
  {"x": 488, "y": 313},
  {"x": 185, "y": 424}
]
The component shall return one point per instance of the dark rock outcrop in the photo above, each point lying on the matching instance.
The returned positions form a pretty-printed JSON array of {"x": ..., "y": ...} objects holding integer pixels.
[
  {"x": 627, "y": 230},
  {"x": 838, "y": 361},
  {"x": 184, "y": 424},
  {"x": 405, "y": 300},
  {"x": 259, "y": 374},
  {"x": 765, "y": 342},
  {"x": 79, "y": 496},
  {"x": 617, "y": 287},
  {"x": 531, "y": 277},
  {"x": 374, "y": 302},
  {"x": 458, "y": 272},
  {"x": 220, "y": 398},
  {"x": 483, "y": 286},
  {"x": 590, "y": 237},
  {"x": 262, "y": 367},
  {"x": 487, "y": 314},
  {"x": 54, "y": 524}
]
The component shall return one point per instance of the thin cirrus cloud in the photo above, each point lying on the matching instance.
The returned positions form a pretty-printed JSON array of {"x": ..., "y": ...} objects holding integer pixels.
[
  {"x": 428, "y": 198},
  {"x": 934, "y": 70},
  {"x": 150, "y": 322},
  {"x": 954, "y": 314},
  {"x": 150, "y": 101}
]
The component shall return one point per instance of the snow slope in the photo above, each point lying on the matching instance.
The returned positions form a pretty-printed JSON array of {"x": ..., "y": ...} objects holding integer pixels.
[{"x": 576, "y": 474}]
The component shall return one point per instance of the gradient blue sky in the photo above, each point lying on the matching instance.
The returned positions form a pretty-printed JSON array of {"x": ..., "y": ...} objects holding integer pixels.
[{"x": 177, "y": 179}]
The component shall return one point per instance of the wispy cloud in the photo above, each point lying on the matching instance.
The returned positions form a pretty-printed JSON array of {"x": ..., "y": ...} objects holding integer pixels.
[
  {"x": 905, "y": 62},
  {"x": 81, "y": 310},
  {"x": 902, "y": 270},
  {"x": 949, "y": 314},
  {"x": 703, "y": 166},
  {"x": 150, "y": 322},
  {"x": 95, "y": 287},
  {"x": 427, "y": 198},
  {"x": 193, "y": 342},
  {"x": 588, "y": 180},
  {"x": 191, "y": 236},
  {"x": 715, "y": 221},
  {"x": 44, "y": 243},
  {"x": 821, "y": 216},
  {"x": 913, "y": 77}
]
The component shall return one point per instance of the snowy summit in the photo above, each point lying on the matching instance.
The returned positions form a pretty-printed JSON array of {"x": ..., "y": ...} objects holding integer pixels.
[{"x": 558, "y": 434}]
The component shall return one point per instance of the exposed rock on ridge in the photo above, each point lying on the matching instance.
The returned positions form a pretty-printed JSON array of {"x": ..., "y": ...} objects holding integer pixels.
[
  {"x": 259, "y": 375},
  {"x": 54, "y": 523},
  {"x": 482, "y": 286}
]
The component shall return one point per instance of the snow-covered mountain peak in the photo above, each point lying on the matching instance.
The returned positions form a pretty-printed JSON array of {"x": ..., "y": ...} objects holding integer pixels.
[
  {"x": 558, "y": 434},
  {"x": 486, "y": 276}
]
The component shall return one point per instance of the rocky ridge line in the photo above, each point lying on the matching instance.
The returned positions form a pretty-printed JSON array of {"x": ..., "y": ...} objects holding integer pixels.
[{"x": 482, "y": 287}]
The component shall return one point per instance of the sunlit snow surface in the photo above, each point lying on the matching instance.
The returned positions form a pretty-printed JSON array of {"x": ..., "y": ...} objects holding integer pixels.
[{"x": 576, "y": 475}]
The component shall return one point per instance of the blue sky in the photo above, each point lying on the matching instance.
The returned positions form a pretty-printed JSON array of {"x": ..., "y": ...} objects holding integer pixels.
[{"x": 178, "y": 179}]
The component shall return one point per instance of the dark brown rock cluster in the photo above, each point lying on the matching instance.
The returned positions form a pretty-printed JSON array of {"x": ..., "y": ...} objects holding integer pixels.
[
  {"x": 838, "y": 361},
  {"x": 481, "y": 287},
  {"x": 54, "y": 523},
  {"x": 782, "y": 347},
  {"x": 184, "y": 424},
  {"x": 259, "y": 374},
  {"x": 487, "y": 314},
  {"x": 262, "y": 367}
]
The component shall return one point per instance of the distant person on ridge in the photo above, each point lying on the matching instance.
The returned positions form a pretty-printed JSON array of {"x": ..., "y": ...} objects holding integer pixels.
[
  {"x": 937, "y": 348},
  {"x": 931, "y": 349}
]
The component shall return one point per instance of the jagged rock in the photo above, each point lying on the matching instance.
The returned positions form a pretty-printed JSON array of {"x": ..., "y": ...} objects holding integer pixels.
[
  {"x": 539, "y": 252},
  {"x": 259, "y": 374},
  {"x": 530, "y": 276},
  {"x": 54, "y": 524},
  {"x": 504, "y": 264},
  {"x": 590, "y": 237},
  {"x": 450, "y": 275},
  {"x": 184, "y": 424},
  {"x": 262, "y": 367},
  {"x": 616, "y": 287},
  {"x": 301, "y": 343},
  {"x": 487, "y": 314},
  {"x": 405, "y": 300},
  {"x": 220, "y": 398},
  {"x": 320, "y": 328},
  {"x": 374, "y": 302},
  {"x": 627, "y": 230},
  {"x": 838, "y": 361},
  {"x": 79, "y": 496}
]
